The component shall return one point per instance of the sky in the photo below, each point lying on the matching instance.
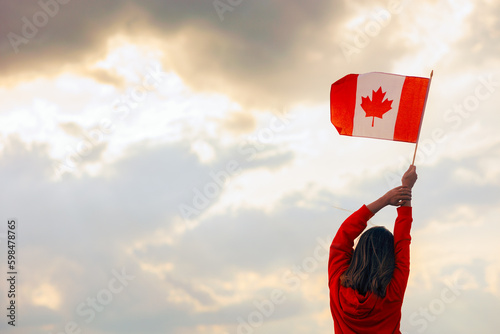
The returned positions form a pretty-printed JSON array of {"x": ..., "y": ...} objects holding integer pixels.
[{"x": 170, "y": 166}]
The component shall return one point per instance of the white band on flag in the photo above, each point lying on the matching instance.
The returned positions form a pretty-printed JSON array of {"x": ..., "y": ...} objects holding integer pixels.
[{"x": 366, "y": 85}]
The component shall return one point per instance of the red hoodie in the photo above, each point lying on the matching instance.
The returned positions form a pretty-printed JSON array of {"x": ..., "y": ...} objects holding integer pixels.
[{"x": 351, "y": 311}]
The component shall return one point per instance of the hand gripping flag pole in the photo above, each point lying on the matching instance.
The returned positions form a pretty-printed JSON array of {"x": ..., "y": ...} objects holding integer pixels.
[{"x": 422, "y": 118}]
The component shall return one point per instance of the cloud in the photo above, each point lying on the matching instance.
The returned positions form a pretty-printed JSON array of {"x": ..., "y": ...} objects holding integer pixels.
[
  {"x": 240, "y": 122},
  {"x": 262, "y": 64},
  {"x": 89, "y": 226},
  {"x": 259, "y": 230},
  {"x": 89, "y": 222},
  {"x": 234, "y": 55},
  {"x": 477, "y": 45},
  {"x": 71, "y": 128}
]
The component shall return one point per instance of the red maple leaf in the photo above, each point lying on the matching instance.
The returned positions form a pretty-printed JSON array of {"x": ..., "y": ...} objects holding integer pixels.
[{"x": 376, "y": 107}]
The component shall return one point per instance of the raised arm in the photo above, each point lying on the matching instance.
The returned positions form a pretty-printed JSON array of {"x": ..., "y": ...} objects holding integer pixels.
[
  {"x": 408, "y": 180},
  {"x": 402, "y": 237},
  {"x": 399, "y": 196},
  {"x": 396, "y": 197},
  {"x": 342, "y": 245}
]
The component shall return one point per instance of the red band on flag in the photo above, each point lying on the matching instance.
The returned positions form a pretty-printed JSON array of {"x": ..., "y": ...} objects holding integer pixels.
[
  {"x": 410, "y": 109},
  {"x": 343, "y": 97}
]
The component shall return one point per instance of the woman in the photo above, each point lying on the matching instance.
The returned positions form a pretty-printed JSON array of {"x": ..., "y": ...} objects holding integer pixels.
[{"x": 367, "y": 284}]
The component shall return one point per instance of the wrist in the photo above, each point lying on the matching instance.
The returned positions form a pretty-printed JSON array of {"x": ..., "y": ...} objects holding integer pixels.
[
  {"x": 385, "y": 200},
  {"x": 380, "y": 203},
  {"x": 407, "y": 203}
]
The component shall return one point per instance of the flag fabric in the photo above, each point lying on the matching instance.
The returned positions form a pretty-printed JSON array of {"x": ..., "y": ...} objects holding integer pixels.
[{"x": 378, "y": 105}]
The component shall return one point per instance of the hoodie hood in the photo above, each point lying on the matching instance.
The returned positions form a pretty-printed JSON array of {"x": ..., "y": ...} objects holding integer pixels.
[{"x": 356, "y": 305}]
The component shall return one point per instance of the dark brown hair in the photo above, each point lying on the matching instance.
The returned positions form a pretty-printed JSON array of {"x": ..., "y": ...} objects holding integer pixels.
[{"x": 372, "y": 263}]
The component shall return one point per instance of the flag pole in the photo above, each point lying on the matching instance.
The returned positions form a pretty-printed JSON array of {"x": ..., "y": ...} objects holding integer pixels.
[{"x": 422, "y": 118}]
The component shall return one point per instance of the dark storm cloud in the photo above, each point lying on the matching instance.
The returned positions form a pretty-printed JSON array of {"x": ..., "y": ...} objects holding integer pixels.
[
  {"x": 258, "y": 52},
  {"x": 262, "y": 53}
]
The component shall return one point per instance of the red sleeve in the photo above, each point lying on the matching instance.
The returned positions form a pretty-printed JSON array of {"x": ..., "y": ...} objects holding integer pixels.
[
  {"x": 341, "y": 248},
  {"x": 402, "y": 241}
]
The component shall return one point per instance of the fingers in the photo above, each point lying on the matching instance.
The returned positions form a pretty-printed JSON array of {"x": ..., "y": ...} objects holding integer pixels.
[
  {"x": 403, "y": 194},
  {"x": 404, "y": 198},
  {"x": 412, "y": 169},
  {"x": 398, "y": 195},
  {"x": 405, "y": 190},
  {"x": 401, "y": 189}
]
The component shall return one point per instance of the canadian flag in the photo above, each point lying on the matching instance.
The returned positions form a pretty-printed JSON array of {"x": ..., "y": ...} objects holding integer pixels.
[{"x": 379, "y": 105}]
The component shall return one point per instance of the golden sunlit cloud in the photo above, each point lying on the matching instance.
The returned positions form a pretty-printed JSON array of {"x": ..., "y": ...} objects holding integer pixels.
[{"x": 46, "y": 295}]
